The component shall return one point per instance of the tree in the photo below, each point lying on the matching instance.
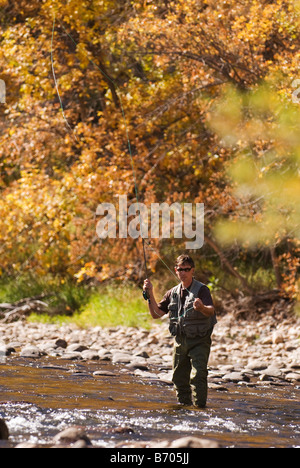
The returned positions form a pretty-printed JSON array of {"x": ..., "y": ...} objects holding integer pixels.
[
  {"x": 263, "y": 130},
  {"x": 167, "y": 64}
]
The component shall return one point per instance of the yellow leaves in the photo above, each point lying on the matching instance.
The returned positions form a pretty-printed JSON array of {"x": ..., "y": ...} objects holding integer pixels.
[
  {"x": 91, "y": 270},
  {"x": 266, "y": 174},
  {"x": 169, "y": 59},
  {"x": 227, "y": 116},
  {"x": 32, "y": 220}
]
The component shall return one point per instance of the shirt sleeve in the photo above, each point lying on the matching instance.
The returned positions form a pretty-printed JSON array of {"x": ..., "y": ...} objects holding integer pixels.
[
  {"x": 163, "y": 304},
  {"x": 205, "y": 296}
]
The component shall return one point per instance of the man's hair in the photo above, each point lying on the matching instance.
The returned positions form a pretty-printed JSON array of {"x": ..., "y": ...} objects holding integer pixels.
[{"x": 185, "y": 259}]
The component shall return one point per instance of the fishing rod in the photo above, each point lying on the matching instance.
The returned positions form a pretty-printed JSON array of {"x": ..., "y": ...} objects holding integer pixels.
[{"x": 145, "y": 293}]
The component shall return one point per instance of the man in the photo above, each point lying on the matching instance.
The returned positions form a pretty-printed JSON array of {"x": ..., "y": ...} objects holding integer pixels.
[{"x": 192, "y": 319}]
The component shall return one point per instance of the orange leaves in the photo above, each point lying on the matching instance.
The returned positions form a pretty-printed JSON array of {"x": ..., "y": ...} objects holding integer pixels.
[{"x": 171, "y": 62}]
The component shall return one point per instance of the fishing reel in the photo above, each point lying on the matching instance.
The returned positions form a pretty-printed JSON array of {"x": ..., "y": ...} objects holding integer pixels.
[{"x": 146, "y": 295}]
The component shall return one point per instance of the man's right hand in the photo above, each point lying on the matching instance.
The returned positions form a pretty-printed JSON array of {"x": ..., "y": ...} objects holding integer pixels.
[
  {"x": 155, "y": 311},
  {"x": 148, "y": 286}
]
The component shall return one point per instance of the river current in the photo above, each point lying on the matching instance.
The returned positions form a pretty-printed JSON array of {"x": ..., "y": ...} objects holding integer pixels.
[{"x": 41, "y": 398}]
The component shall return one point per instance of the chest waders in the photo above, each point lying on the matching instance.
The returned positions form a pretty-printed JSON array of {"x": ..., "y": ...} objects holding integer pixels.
[
  {"x": 184, "y": 319},
  {"x": 192, "y": 331}
]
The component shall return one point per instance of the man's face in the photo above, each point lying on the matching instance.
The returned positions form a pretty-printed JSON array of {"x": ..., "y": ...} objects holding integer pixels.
[{"x": 185, "y": 272}]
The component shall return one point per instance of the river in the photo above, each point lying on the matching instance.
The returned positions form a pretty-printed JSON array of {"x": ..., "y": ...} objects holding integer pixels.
[{"x": 40, "y": 398}]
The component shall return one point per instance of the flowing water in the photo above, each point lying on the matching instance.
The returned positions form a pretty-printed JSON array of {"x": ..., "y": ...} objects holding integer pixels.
[{"x": 41, "y": 398}]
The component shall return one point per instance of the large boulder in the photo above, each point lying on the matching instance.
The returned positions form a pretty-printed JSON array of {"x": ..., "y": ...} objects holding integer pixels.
[{"x": 4, "y": 433}]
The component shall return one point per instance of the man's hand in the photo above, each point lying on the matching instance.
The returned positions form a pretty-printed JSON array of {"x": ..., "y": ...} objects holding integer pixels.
[
  {"x": 155, "y": 311},
  {"x": 205, "y": 310},
  {"x": 198, "y": 305},
  {"x": 148, "y": 286}
]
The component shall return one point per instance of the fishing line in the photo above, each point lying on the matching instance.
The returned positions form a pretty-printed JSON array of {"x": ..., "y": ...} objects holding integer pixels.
[
  {"x": 125, "y": 123},
  {"x": 56, "y": 84},
  {"x": 127, "y": 137},
  {"x": 162, "y": 261}
]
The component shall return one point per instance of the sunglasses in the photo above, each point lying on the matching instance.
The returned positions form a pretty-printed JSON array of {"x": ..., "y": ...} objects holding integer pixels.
[{"x": 183, "y": 269}]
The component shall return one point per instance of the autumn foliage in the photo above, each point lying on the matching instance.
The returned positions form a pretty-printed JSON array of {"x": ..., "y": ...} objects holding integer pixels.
[{"x": 203, "y": 89}]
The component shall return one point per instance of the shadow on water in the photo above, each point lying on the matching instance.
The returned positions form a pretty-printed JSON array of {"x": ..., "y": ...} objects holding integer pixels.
[{"x": 41, "y": 398}]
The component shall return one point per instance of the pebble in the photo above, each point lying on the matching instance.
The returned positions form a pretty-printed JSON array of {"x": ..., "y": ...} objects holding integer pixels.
[
  {"x": 31, "y": 351},
  {"x": 293, "y": 376},
  {"x": 181, "y": 443},
  {"x": 6, "y": 350},
  {"x": 104, "y": 374},
  {"x": 72, "y": 435},
  {"x": 122, "y": 358},
  {"x": 236, "y": 377},
  {"x": 242, "y": 351},
  {"x": 256, "y": 365}
]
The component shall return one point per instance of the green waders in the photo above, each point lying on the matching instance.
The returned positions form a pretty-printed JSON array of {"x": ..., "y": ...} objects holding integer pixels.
[{"x": 190, "y": 372}]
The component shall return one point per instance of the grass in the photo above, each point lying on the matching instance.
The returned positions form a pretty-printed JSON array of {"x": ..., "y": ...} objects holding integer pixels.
[
  {"x": 106, "y": 306},
  {"x": 116, "y": 305},
  {"x": 110, "y": 306},
  {"x": 63, "y": 296}
]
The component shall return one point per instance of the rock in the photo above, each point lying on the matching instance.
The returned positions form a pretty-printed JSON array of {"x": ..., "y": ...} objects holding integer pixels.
[
  {"x": 71, "y": 435},
  {"x": 6, "y": 350},
  {"x": 47, "y": 346},
  {"x": 256, "y": 365},
  {"x": 31, "y": 351},
  {"x": 90, "y": 355},
  {"x": 273, "y": 371},
  {"x": 54, "y": 367},
  {"x": 72, "y": 356},
  {"x": 121, "y": 358},
  {"x": 104, "y": 355},
  {"x": 4, "y": 433},
  {"x": 104, "y": 374},
  {"x": 267, "y": 340},
  {"x": 60, "y": 343},
  {"x": 166, "y": 378},
  {"x": 226, "y": 368},
  {"x": 185, "y": 442},
  {"x": 15, "y": 344},
  {"x": 236, "y": 377},
  {"x": 76, "y": 347},
  {"x": 147, "y": 375},
  {"x": 138, "y": 364},
  {"x": 217, "y": 387},
  {"x": 80, "y": 444},
  {"x": 142, "y": 354},
  {"x": 293, "y": 376},
  {"x": 277, "y": 337},
  {"x": 193, "y": 442}
]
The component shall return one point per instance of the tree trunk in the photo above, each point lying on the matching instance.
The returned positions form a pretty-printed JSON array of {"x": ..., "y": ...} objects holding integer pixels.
[
  {"x": 276, "y": 267},
  {"x": 228, "y": 265}
]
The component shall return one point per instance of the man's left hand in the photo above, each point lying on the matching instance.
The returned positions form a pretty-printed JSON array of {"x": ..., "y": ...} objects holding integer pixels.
[
  {"x": 208, "y": 311},
  {"x": 199, "y": 306}
]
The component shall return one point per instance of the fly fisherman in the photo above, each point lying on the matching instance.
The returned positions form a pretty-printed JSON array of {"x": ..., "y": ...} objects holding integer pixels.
[{"x": 192, "y": 319}]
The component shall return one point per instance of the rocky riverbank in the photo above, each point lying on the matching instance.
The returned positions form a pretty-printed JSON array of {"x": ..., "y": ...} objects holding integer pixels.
[{"x": 245, "y": 352}]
